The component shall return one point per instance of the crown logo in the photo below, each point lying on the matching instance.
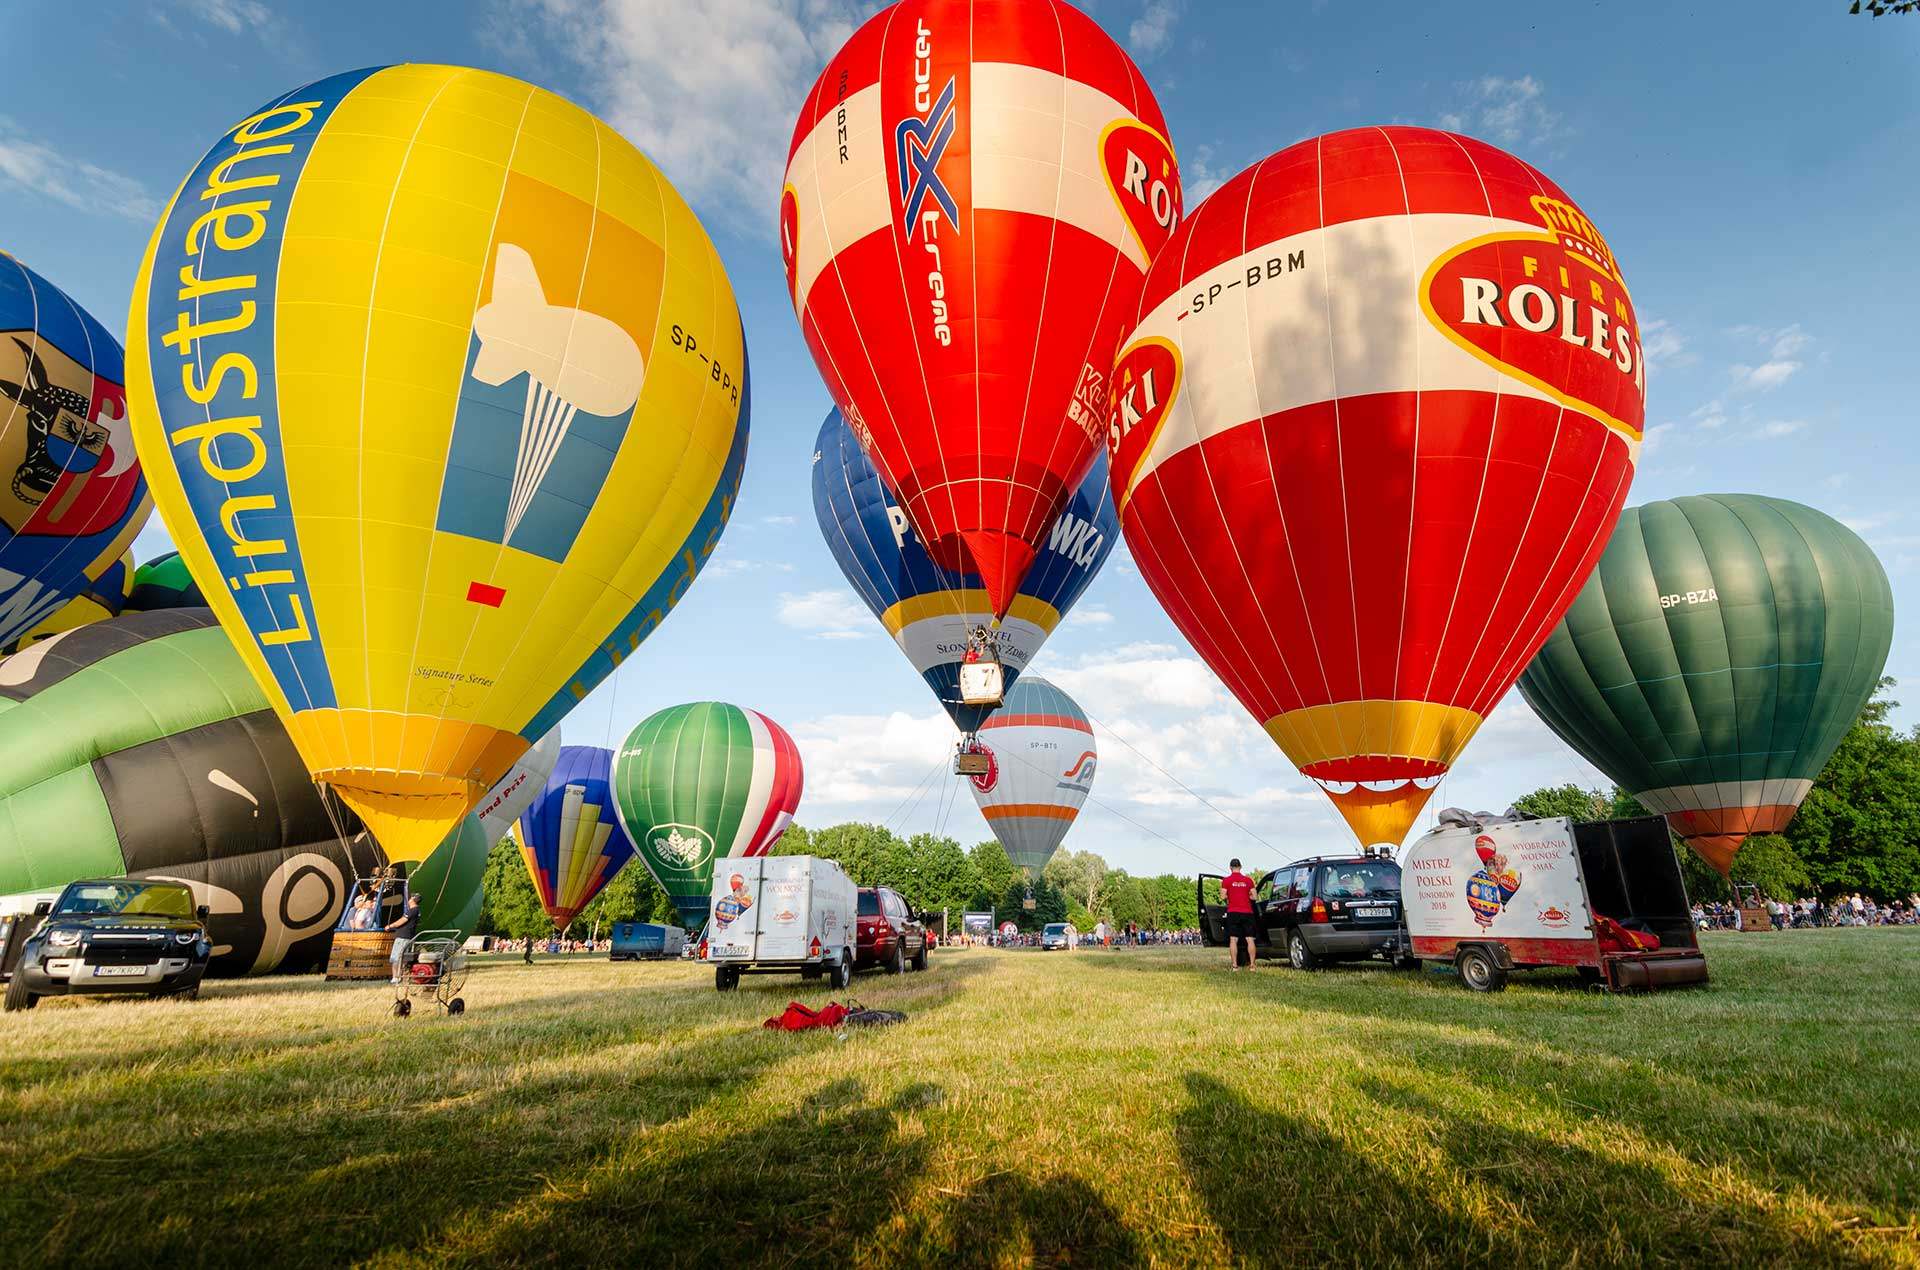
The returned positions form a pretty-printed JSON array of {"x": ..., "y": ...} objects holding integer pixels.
[{"x": 1577, "y": 234}]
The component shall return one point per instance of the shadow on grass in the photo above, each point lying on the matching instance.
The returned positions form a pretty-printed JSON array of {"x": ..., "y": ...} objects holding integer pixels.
[
  {"x": 337, "y": 1144},
  {"x": 1283, "y": 1191},
  {"x": 1013, "y": 1219},
  {"x": 1631, "y": 1210},
  {"x": 802, "y": 1188}
]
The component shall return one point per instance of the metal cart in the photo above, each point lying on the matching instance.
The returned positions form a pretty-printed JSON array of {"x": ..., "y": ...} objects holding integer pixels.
[{"x": 435, "y": 970}]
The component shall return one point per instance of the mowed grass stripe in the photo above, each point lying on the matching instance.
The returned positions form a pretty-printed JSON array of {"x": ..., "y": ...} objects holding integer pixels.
[{"x": 1095, "y": 1107}]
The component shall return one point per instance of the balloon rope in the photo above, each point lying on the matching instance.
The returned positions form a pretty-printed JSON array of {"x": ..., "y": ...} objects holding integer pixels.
[
  {"x": 1176, "y": 780},
  {"x": 939, "y": 763},
  {"x": 1104, "y": 805}
]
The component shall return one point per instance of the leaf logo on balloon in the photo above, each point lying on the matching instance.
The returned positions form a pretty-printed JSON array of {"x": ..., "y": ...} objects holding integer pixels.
[{"x": 686, "y": 850}]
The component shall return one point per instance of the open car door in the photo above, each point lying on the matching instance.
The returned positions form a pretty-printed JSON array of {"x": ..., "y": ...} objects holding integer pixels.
[{"x": 1213, "y": 917}]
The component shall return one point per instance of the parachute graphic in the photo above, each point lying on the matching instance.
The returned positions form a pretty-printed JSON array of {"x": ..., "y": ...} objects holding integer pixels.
[
  {"x": 1379, "y": 411},
  {"x": 1042, "y": 770},
  {"x": 929, "y": 610},
  {"x": 1714, "y": 659},
  {"x": 569, "y": 356},
  {"x": 72, "y": 495},
  {"x": 702, "y": 781},
  {"x": 973, "y": 194},
  {"x": 443, "y": 430}
]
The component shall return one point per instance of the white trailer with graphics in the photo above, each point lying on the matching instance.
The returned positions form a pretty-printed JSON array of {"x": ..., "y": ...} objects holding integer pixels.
[
  {"x": 787, "y": 914},
  {"x": 1603, "y": 897}
]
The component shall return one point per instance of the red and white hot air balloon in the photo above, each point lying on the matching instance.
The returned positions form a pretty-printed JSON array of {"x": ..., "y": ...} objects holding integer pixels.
[
  {"x": 973, "y": 196},
  {"x": 1370, "y": 434}
]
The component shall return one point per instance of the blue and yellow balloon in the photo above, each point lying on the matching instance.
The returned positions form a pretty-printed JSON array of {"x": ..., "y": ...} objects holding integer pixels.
[
  {"x": 929, "y": 610},
  {"x": 443, "y": 392}
]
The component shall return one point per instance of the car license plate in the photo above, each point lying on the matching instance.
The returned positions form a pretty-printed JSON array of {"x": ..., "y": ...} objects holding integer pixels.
[
  {"x": 1373, "y": 912},
  {"x": 107, "y": 972},
  {"x": 718, "y": 952}
]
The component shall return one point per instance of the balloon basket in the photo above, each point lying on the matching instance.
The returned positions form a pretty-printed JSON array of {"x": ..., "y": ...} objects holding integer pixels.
[{"x": 981, "y": 683}]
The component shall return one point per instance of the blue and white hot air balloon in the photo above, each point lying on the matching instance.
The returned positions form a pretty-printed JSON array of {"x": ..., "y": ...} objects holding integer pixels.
[{"x": 928, "y": 610}]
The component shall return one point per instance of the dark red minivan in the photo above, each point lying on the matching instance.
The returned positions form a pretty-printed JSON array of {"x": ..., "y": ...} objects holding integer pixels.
[{"x": 891, "y": 934}]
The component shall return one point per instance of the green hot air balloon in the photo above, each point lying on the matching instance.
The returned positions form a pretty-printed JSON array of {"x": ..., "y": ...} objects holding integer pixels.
[
  {"x": 1714, "y": 659},
  {"x": 141, "y": 745},
  {"x": 696, "y": 782}
]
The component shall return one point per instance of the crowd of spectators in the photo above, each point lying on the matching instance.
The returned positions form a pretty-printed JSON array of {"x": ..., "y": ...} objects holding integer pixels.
[
  {"x": 1809, "y": 914},
  {"x": 1101, "y": 936}
]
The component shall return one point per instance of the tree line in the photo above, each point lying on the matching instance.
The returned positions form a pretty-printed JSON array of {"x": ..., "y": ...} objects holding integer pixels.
[{"x": 930, "y": 871}]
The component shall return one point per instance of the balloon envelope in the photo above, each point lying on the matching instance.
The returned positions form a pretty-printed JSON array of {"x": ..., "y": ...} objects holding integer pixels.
[
  {"x": 72, "y": 495},
  {"x": 141, "y": 745},
  {"x": 164, "y": 583},
  {"x": 1714, "y": 659},
  {"x": 510, "y": 797},
  {"x": 446, "y": 387},
  {"x": 973, "y": 194},
  {"x": 1043, "y": 759},
  {"x": 1380, "y": 409},
  {"x": 105, "y": 597},
  {"x": 700, "y": 781},
  {"x": 569, "y": 835},
  {"x": 929, "y": 610}
]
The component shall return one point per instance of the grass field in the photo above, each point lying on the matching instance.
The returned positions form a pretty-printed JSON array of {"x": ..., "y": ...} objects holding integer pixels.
[{"x": 1094, "y": 1107}]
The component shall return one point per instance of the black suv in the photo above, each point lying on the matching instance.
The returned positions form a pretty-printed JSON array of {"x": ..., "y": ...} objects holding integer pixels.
[
  {"x": 113, "y": 935},
  {"x": 1334, "y": 908}
]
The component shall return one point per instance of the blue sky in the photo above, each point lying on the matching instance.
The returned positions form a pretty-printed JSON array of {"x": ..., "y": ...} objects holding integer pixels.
[{"x": 1753, "y": 166}]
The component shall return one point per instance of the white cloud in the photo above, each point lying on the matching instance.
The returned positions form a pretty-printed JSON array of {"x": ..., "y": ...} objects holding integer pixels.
[
  {"x": 829, "y": 614},
  {"x": 1835, "y": 481},
  {"x": 1152, "y": 31},
  {"x": 779, "y": 520},
  {"x": 1654, "y": 436},
  {"x": 1509, "y": 111},
  {"x": 232, "y": 16},
  {"x": 1783, "y": 345},
  {"x": 708, "y": 91},
  {"x": 42, "y": 170},
  {"x": 1709, "y": 416},
  {"x": 1664, "y": 346},
  {"x": 1765, "y": 376},
  {"x": 867, "y": 765},
  {"x": 1779, "y": 428},
  {"x": 1092, "y": 617},
  {"x": 1200, "y": 175}
]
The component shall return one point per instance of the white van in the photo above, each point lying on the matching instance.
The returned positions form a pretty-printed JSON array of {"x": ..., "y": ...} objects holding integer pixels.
[{"x": 784, "y": 914}]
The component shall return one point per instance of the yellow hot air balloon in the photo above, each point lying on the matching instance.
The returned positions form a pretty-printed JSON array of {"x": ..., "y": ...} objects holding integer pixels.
[{"x": 443, "y": 394}]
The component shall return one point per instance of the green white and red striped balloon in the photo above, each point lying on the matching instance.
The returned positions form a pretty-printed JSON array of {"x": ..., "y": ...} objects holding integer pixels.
[{"x": 699, "y": 781}]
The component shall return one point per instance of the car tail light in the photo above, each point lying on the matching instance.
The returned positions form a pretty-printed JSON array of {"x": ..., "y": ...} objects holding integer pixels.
[
  {"x": 813, "y": 949},
  {"x": 1319, "y": 910},
  {"x": 703, "y": 950}
]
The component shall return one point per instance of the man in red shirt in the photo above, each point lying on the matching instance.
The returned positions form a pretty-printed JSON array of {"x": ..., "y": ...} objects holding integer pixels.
[{"x": 1238, "y": 888}]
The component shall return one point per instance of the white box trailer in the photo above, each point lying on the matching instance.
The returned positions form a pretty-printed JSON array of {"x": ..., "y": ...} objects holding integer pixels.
[
  {"x": 1522, "y": 894},
  {"x": 786, "y": 914}
]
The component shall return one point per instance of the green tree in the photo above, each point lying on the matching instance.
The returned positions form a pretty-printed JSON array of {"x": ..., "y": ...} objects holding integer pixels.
[
  {"x": 797, "y": 840},
  {"x": 1565, "y": 800},
  {"x": 1082, "y": 875},
  {"x": 510, "y": 906},
  {"x": 942, "y": 875},
  {"x": 993, "y": 873},
  {"x": 1049, "y": 904},
  {"x": 1859, "y": 826}
]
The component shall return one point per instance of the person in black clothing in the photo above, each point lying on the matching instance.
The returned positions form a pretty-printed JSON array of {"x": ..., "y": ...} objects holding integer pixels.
[
  {"x": 526, "y": 954},
  {"x": 403, "y": 928}
]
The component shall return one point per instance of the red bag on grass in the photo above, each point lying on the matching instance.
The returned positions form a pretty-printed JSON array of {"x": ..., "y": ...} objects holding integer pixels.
[
  {"x": 1614, "y": 937},
  {"x": 798, "y": 1018}
]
